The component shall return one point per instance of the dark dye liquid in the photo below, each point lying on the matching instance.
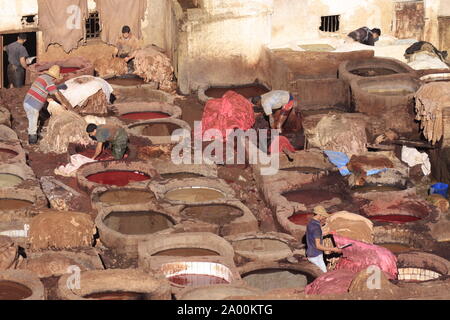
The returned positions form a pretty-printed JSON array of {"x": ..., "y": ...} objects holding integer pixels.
[
  {"x": 186, "y": 252},
  {"x": 373, "y": 72},
  {"x": 118, "y": 178},
  {"x": 144, "y": 115},
  {"x": 110, "y": 295},
  {"x": 196, "y": 280},
  {"x": 10, "y": 290},
  {"x": 301, "y": 219},
  {"x": 136, "y": 223},
  {"x": 394, "y": 218},
  {"x": 246, "y": 91}
]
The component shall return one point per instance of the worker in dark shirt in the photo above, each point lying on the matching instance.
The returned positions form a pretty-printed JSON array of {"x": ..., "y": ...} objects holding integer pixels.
[
  {"x": 314, "y": 237},
  {"x": 115, "y": 135},
  {"x": 17, "y": 55},
  {"x": 365, "y": 35}
]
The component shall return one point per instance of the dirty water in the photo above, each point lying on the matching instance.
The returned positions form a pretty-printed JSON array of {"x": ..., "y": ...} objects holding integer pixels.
[
  {"x": 8, "y": 180},
  {"x": 191, "y": 195},
  {"x": 186, "y": 252},
  {"x": 10, "y": 290},
  {"x": 125, "y": 197},
  {"x": 216, "y": 214},
  {"x": 137, "y": 223}
]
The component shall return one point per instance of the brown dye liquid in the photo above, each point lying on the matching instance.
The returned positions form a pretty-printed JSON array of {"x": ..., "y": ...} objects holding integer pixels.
[
  {"x": 121, "y": 197},
  {"x": 127, "y": 82},
  {"x": 14, "y": 204},
  {"x": 191, "y": 195},
  {"x": 186, "y": 252},
  {"x": 303, "y": 169},
  {"x": 180, "y": 175},
  {"x": 366, "y": 189},
  {"x": 390, "y": 92},
  {"x": 309, "y": 197},
  {"x": 110, "y": 295},
  {"x": 196, "y": 280},
  {"x": 216, "y": 214},
  {"x": 135, "y": 223},
  {"x": 246, "y": 91},
  {"x": 6, "y": 154},
  {"x": 159, "y": 129},
  {"x": 8, "y": 180},
  {"x": 10, "y": 290},
  {"x": 373, "y": 72},
  {"x": 396, "y": 247}
]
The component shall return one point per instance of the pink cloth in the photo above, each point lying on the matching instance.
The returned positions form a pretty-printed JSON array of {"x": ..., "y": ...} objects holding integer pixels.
[
  {"x": 232, "y": 111},
  {"x": 283, "y": 144},
  {"x": 333, "y": 282},
  {"x": 361, "y": 255}
]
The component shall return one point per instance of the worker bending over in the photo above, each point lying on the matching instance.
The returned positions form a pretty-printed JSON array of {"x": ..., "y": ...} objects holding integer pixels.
[
  {"x": 115, "y": 135},
  {"x": 314, "y": 237},
  {"x": 37, "y": 96},
  {"x": 275, "y": 100},
  {"x": 365, "y": 35}
]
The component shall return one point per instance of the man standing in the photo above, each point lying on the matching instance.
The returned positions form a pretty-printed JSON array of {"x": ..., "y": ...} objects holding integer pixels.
[
  {"x": 275, "y": 100},
  {"x": 365, "y": 35},
  {"x": 17, "y": 55},
  {"x": 36, "y": 98},
  {"x": 314, "y": 239},
  {"x": 127, "y": 45},
  {"x": 113, "y": 134}
]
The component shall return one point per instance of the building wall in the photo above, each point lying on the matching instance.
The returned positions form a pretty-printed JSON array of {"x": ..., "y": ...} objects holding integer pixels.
[
  {"x": 444, "y": 8},
  {"x": 11, "y": 13}
]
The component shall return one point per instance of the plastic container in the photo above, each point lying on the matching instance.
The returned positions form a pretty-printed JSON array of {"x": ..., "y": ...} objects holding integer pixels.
[{"x": 439, "y": 188}]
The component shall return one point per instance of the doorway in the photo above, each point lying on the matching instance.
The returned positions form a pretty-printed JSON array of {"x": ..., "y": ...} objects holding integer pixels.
[{"x": 8, "y": 38}]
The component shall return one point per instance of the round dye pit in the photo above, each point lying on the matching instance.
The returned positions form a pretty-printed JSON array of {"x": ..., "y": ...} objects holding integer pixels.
[
  {"x": 10, "y": 290},
  {"x": 187, "y": 280},
  {"x": 125, "y": 197},
  {"x": 14, "y": 204},
  {"x": 373, "y": 72},
  {"x": 149, "y": 115},
  {"x": 118, "y": 178},
  {"x": 196, "y": 273},
  {"x": 137, "y": 222},
  {"x": 126, "y": 82},
  {"x": 396, "y": 247},
  {"x": 7, "y": 154},
  {"x": 194, "y": 194},
  {"x": 8, "y": 180},
  {"x": 366, "y": 189},
  {"x": 186, "y": 252},
  {"x": 159, "y": 129},
  {"x": 216, "y": 214},
  {"x": 180, "y": 175},
  {"x": 303, "y": 169},
  {"x": 310, "y": 197},
  {"x": 247, "y": 91},
  {"x": 301, "y": 218},
  {"x": 389, "y": 91},
  {"x": 255, "y": 244},
  {"x": 111, "y": 295},
  {"x": 271, "y": 279},
  {"x": 65, "y": 70},
  {"x": 394, "y": 218}
]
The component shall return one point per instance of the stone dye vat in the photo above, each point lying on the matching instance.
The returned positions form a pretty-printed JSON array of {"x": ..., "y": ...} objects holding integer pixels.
[
  {"x": 374, "y": 67},
  {"x": 159, "y": 131},
  {"x": 144, "y": 94},
  {"x": 215, "y": 92},
  {"x": 20, "y": 285},
  {"x": 126, "y": 81},
  {"x": 114, "y": 173},
  {"x": 5, "y": 117},
  {"x": 301, "y": 218},
  {"x": 194, "y": 194},
  {"x": 138, "y": 111},
  {"x": 11, "y": 153},
  {"x": 217, "y": 292},
  {"x": 113, "y": 196},
  {"x": 122, "y": 227},
  {"x": 7, "y": 134},
  {"x": 70, "y": 68},
  {"x": 420, "y": 266},
  {"x": 116, "y": 284}
]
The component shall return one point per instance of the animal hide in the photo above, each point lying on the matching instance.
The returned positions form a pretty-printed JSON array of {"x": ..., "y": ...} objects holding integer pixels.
[{"x": 110, "y": 67}]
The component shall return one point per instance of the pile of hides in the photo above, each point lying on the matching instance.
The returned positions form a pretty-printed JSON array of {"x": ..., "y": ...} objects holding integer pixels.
[
  {"x": 63, "y": 22},
  {"x": 338, "y": 133},
  {"x": 333, "y": 282},
  {"x": 232, "y": 111},
  {"x": 422, "y": 47},
  {"x": 154, "y": 66},
  {"x": 350, "y": 225},
  {"x": 90, "y": 93},
  {"x": 110, "y": 67},
  {"x": 64, "y": 127},
  {"x": 114, "y": 14},
  {"x": 412, "y": 158},
  {"x": 431, "y": 99},
  {"x": 76, "y": 161}
]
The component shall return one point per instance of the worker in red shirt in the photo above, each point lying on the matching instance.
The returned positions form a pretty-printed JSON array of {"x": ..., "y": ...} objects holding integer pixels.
[{"x": 37, "y": 96}]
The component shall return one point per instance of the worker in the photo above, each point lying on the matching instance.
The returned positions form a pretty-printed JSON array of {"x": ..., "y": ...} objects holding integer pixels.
[
  {"x": 114, "y": 135},
  {"x": 279, "y": 100},
  {"x": 127, "y": 46},
  {"x": 17, "y": 55},
  {"x": 314, "y": 237},
  {"x": 365, "y": 35},
  {"x": 38, "y": 95}
]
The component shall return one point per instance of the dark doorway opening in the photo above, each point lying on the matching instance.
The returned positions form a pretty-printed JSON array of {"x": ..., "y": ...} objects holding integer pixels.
[{"x": 30, "y": 45}]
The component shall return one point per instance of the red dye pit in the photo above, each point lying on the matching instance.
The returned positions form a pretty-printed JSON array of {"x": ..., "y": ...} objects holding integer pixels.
[
  {"x": 118, "y": 178},
  {"x": 394, "y": 218},
  {"x": 144, "y": 115},
  {"x": 196, "y": 280},
  {"x": 301, "y": 219}
]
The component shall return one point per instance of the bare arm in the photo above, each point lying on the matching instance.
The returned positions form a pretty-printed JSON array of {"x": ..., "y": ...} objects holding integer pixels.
[
  {"x": 323, "y": 248},
  {"x": 98, "y": 150},
  {"x": 23, "y": 62}
]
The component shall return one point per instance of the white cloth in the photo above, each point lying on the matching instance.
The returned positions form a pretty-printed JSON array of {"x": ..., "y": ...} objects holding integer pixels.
[
  {"x": 76, "y": 161},
  {"x": 274, "y": 100},
  {"x": 318, "y": 261},
  {"x": 424, "y": 60},
  {"x": 412, "y": 157},
  {"x": 78, "y": 93}
]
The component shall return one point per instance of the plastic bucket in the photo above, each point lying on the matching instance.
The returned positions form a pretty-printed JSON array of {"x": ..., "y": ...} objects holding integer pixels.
[{"x": 439, "y": 188}]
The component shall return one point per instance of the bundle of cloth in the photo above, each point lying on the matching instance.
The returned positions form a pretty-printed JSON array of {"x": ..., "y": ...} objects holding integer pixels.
[
  {"x": 431, "y": 98},
  {"x": 90, "y": 94},
  {"x": 424, "y": 55}
]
